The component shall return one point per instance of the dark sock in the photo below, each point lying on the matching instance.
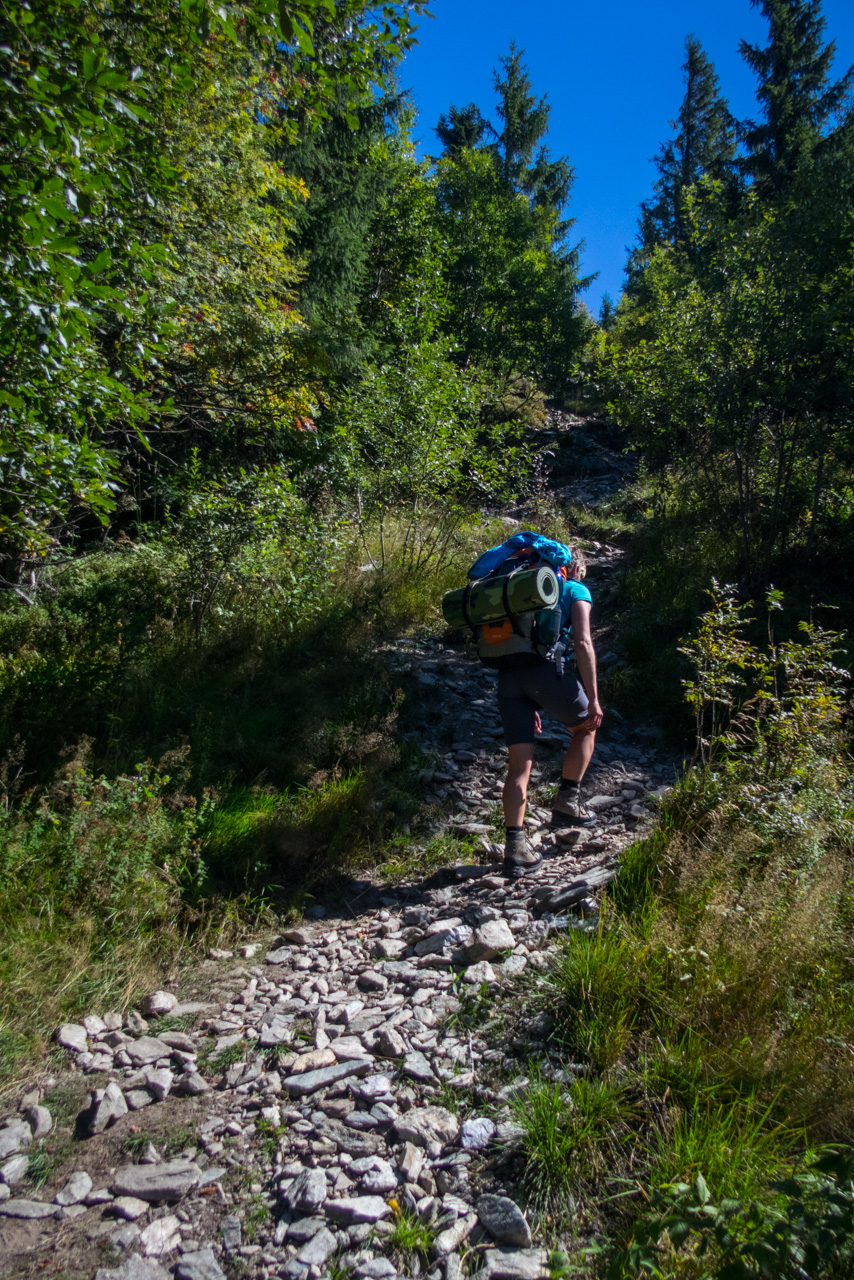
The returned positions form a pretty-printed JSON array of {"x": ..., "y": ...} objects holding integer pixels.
[
  {"x": 514, "y": 828},
  {"x": 567, "y": 784}
]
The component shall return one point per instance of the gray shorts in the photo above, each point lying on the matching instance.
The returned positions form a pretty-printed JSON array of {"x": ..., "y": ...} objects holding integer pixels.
[{"x": 526, "y": 690}]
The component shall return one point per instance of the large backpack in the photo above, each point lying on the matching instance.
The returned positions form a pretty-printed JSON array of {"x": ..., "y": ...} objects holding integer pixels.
[{"x": 524, "y": 639}]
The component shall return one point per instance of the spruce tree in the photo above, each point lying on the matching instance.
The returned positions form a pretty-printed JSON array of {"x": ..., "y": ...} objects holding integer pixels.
[
  {"x": 803, "y": 109},
  {"x": 461, "y": 129},
  {"x": 704, "y": 146},
  {"x": 524, "y": 164}
]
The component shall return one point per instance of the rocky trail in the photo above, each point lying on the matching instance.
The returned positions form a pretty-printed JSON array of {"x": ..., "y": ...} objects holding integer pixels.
[{"x": 321, "y": 1104}]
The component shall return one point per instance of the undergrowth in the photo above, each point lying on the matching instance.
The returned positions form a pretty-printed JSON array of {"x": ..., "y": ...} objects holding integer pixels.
[
  {"x": 712, "y": 1010},
  {"x": 191, "y": 745}
]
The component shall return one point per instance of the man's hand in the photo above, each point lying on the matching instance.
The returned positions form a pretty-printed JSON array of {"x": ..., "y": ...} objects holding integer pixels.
[
  {"x": 538, "y": 724},
  {"x": 596, "y": 714}
]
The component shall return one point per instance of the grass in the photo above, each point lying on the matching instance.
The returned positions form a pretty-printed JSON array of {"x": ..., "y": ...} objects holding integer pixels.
[
  {"x": 409, "y": 1236},
  {"x": 711, "y": 1012},
  {"x": 571, "y": 1133},
  {"x": 403, "y": 859},
  {"x": 167, "y": 786}
]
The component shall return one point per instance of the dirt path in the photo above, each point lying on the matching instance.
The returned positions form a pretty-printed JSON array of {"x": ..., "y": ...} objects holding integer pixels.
[{"x": 332, "y": 1111}]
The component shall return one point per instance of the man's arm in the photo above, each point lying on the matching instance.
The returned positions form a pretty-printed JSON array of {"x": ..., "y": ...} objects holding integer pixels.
[{"x": 585, "y": 656}]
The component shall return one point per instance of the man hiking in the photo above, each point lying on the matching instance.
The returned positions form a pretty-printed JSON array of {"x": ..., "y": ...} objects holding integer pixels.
[{"x": 525, "y": 691}]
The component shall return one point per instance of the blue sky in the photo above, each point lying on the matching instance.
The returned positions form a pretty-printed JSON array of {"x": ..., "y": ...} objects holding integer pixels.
[{"x": 612, "y": 72}]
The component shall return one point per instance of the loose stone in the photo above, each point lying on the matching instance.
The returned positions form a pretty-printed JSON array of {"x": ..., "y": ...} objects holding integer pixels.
[
  {"x": 168, "y": 1181},
  {"x": 108, "y": 1105},
  {"x": 133, "y": 1268},
  {"x": 161, "y": 1236},
  {"x": 128, "y": 1207},
  {"x": 75, "y": 1190},
  {"x": 200, "y": 1264},
  {"x": 15, "y": 1137},
  {"x": 312, "y": 1081},
  {"x": 159, "y": 1003},
  {"x": 513, "y": 1264},
  {"x": 72, "y": 1036},
  {"x": 358, "y": 1209},
  {"x": 13, "y": 1170},
  {"x": 476, "y": 1133},
  {"x": 504, "y": 1220},
  {"x": 34, "y": 1209},
  {"x": 307, "y": 1193}
]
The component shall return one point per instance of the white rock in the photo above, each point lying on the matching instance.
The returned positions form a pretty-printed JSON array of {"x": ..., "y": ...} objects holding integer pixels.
[
  {"x": 13, "y": 1170},
  {"x": 159, "y": 1082},
  {"x": 159, "y": 1003},
  {"x": 133, "y": 1268},
  {"x": 307, "y": 1193},
  {"x": 599, "y": 803},
  {"x": 40, "y": 1121},
  {"x": 490, "y": 939},
  {"x": 514, "y": 1264},
  {"x": 75, "y": 1190},
  {"x": 475, "y": 974},
  {"x": 129, "y": 1207},
  {"x": 14, "y": 1137},
  {"x": 316, "y": 1251},
  {"x": 477, "y": 1133},
  {"x": 353, "y": 1209},
  {"x": 422, "y": 1125},
  {"x": 32, "y": 1209},
  {"x": 146, "y": 1050},
  {"x": 72, "y": 1036},
  {"x": 449, "y": 1240},
  {"x": 94, "y": 1025},
  {"x": 160, "y": 1236},
  {"x": 108, "y": 1105}
]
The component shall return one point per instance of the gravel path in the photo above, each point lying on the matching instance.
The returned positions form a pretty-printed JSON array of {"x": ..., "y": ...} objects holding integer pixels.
[{"x": 299, "y": 1127}]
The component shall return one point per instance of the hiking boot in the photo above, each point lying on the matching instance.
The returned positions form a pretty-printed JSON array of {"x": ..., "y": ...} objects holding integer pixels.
[
  {"x": 568, "y": 810},
  {"x": 519, "y": 858}
]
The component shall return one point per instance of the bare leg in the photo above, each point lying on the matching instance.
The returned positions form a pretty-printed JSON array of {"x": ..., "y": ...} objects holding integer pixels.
[
  {"x": 519, "y": 764},
  {"x": 579, "y": 752}
]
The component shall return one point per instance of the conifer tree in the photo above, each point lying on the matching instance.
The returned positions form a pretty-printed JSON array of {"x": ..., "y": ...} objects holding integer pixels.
[
  {"x": 704, "y": 146},
  {"x": 524, "y": 164},
  {"x": 804, "y": 111},
  {"x": 462, "y": 129}
]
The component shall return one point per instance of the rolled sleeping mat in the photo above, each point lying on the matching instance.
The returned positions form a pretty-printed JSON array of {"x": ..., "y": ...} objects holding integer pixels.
[{"x": 491, "y": 599}]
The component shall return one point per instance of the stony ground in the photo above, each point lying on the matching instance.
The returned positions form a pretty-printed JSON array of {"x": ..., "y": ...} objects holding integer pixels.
[{"x": 330, "y": 1107}]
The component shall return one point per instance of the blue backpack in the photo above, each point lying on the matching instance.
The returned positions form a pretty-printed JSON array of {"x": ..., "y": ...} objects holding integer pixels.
[
  {"x": 554, "y": 553},
  {"x": 527, "y": 638}
]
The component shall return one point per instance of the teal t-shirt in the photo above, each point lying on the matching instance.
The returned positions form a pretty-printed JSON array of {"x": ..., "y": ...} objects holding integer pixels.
[{"x": 570, "y": 592}]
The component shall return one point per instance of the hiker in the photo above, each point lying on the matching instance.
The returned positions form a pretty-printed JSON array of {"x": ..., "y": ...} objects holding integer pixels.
[{"x": 525, "y": 691}]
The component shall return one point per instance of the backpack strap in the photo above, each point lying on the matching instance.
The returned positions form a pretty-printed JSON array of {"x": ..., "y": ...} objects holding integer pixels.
[
  {"x": 464, "y": 607},
  {"x": 505, "y": 598}
]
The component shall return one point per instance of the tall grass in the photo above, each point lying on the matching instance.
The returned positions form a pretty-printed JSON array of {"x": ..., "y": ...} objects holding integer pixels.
[{"x": 716, "y": 996}]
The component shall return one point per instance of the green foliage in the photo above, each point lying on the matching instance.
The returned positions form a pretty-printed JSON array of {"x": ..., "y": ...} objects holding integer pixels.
[
  {"x": 799, "y": 102},
  {"x": 704, "y": 146},
  {"x": 412, "y": 445},
  {"x": 409, "y": 1235},
  {"x": 714, "y": 999},
  {"x": 807, "y": 1234},
  {"x": 734, "y": 373},
  {"x": 513, "y": 297},
  {"x": 783, "y": 704},
  {"x": 135, "y": 176},
  {"x": 221, "y": 522},
  {"x": 568, "y": 1133}
]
